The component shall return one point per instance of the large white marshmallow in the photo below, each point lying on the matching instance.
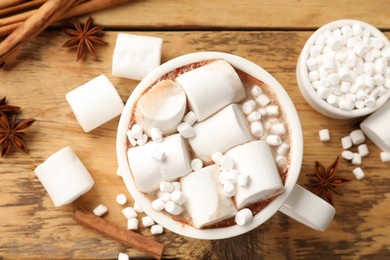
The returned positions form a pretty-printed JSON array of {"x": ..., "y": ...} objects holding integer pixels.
[
  {"x": 162, "y": 107},
  {"x": 377, "y": 128},
  {"x": 135, "y": 55},
  {"x": 206, "y": 204},
  {"x": 255, "y": 159},
  {"x": 64, "y": 177},
  {"x": 148, "y": 173},
  {"x": 220, "y": 132},
  {"x": 211, "y": 87},
  {"x": 95, "y": 103}
]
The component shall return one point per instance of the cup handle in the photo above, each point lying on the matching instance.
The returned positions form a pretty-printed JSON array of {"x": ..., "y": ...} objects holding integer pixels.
[{"x": 309, "y": 209}]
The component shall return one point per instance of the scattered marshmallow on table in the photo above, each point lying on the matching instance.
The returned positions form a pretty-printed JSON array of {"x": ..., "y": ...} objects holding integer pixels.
[
  {"x": 123, "y": 256},
  {"x": 132, "y": 224},
  {"x": 156, "y": 229},
  {"x": 147, "y": 221},
  {"x": 129, "y": 212},
  {"x": 346, "y": 142},
  {"x": 356, "y": 159},
  {"x": 243, "y": 217},
  {"x": 357, "y": 137},
  {"x": 135, "y": 55},
  {"x": 358, "y": 172},
  {"x": 222, "y": 131},
  {"x": 211, "y": 87},
  {"x": 95, "y": 103},
  {"x": 153, "y": 110},
  {"x": 64, "y": 177},
  {"x": 100, "y": 210},
  {"x": 385, "y": 156},
  {"x": 121, "y": 199},
  {"x": 363, "y": 150},
  {"x": 347, "y": 155},
  {"x": 324, "y": 135}
]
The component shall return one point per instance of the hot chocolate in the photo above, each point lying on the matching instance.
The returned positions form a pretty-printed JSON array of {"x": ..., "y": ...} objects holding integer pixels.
[{"x": 238, "y": 129}]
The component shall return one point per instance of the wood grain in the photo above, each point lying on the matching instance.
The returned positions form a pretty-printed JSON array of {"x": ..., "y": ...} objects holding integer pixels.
[{"x": 32, "y": 228}]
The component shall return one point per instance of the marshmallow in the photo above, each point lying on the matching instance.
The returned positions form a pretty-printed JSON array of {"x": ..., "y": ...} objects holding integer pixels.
[
  {"x": 281, "y": 161},
  {"x": 64, "y": 177},
  {"x": 375, "y": 128},
  {"x": 255, "y": 159},
  {"x": 156, "y": 135},
  {"x": 158, "y": 204},
  {"x": 220, "y": 132},
  {"x": 206, "y": 204},
  {"x": 158, "y": 155},
  {"x": 357, "y": 137},
  {"x": 243, "y": 217},
  {"x": 136, "y": 131},
  {"x": 123, "y": 256},
  {"x": 190, "y": 118},
  {"x": 211, "y": 87},
  {"x": 274, "y": 140},
  {"x": 153, "y": 110},
  {"x": 346, "y": 142},
  {"x": 137, "y": 207},
  {"x": 256, "y": 91},
  {"x": 156, "y": 230},
  {"x": 229, "y": 189},
  {"x": 278, "y": 129},
  {"x": 147, "y": 221},
  {"x": 173, "y": 208},
  {"x": 121, "y": 199},
  {"x": 257, "y": 129},
  {"x": 178, "y": 197},
  {"x": 263, "y": 100},
  {"x": 132, "y": 224},
  {"x": 385, "y": 156},
  {"x": 272, "y": 110},
  {"x": 166, "y": 186},
  {"x": 100, "y": 210},
  {"x": 358, "y": 172},
  {"x": 227, "y": 163},
  {"x": 196, "y": 164},
  {"x": 186, "y": 130},
  {"x": 95, "y": 103},
  {"x": 347, "y": 155},
  {"x": 176, "y": 185},
  {"x": 148, "y": 173},
  {"x": 131, "y": 139},
  {"x": 345, "y": 104},
  {"x": 142, "y": 140},
  {"x": 254, "y": 116},
  {"x": 283, "y": 149},
  {"x": 135, "y": 56},
  {"x": 217, "y": 157},
  {"x": 242, "y": 180},
  {"x": 232, "y": 176},
  {"x": 363, "y": 150},
  {"x": 356, "y": 159},
  {"x": 129, "y": 212},
  {"x": 248, "y": 107},
  {"x": 165, "y": 195},
  {"x": 324, "y": 135}
]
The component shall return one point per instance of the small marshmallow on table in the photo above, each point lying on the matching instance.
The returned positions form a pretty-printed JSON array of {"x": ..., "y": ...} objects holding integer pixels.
[
  {"x": 324, "y": 135},
  {"x": 100, "y": 210},
  {"x": 95, "y": 103},
  {"x": 135, "y": 56},
  {"x": 358, "y": 172},
  {"x": 211, "y": 87},
  {"x": 64, "y": 177},
  {"x": 385, "y": 156}
]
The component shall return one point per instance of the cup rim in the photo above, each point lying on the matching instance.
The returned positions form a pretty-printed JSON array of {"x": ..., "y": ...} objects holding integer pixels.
[
  {"x": 307, "y": 88},
  {"x": 296, "y": 146}
]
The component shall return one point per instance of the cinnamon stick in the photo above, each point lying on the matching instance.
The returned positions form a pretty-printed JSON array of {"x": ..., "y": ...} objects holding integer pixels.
[
  {"x": 102, "y": 226},
  {"x": 7, "y": 29},
  {"x": 7, "y": 3},
  {"x": 21, "y": 7},
  {"x": 17, "y": 17},
  {"x": 91, "y": 6}
]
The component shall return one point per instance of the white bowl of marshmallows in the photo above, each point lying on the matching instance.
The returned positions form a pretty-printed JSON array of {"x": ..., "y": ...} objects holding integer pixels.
[{"x": 343, "y": 70}]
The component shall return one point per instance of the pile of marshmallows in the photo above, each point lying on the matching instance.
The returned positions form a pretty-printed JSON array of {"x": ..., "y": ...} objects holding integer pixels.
[{"x": 349, "y": 67}]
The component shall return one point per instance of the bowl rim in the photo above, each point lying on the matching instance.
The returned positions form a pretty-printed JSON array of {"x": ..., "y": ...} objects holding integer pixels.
[
  {"x": 296, "y": 146},
  {"x": 304, "y": 82}
]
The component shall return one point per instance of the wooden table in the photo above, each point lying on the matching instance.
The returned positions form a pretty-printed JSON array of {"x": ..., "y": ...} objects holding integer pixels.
[{"x": 269, "y": 33}]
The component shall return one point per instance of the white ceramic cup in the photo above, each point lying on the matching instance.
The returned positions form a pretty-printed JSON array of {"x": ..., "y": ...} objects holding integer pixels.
[
  {"x": 306, "y": 87},
  {"x": 296, "y": 201}
]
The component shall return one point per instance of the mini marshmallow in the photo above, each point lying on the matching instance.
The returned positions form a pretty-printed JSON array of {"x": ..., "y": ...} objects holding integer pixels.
[
  {"x": 156, "y": 230},
  {"x": 256, "y": 91},
  {"x": 147, "y": 221},
  {"x": 263, "y": 111},
  {"x": 345, "y": 87},
  {"x": 121, "y": 199},
  {"x": 242, "y": 180},
  {"x": 132, "y": 224},
  {"x": 334, "y": 79},
  {"x": 143, "y": 140},
  {"x": 211, "y": 87},
  {"x": 323, "y": 92},
  {"x": 64, "y": 177},
  {"x": 158, "y": 155},
  {"x": 257, "y": 129},
  {"x": 129, "y": 212},
  {"x": 356, "y": 159},
  {"x": 100, "y": 210},
  {"x": 254, "y": 116},
  {"x": 274, "y": 140},
  {"x": 311, "y": 63},
  {"x": 206, "y": 204},
  {"x": 313, "y": 75},
  {"x": 217, "y": 157},
  {"x": 346, "y": 142},
  {"x": 220, "y": 132},
  {"x": 272, "y": 110},
  {"x": 165, "y": 196},
  {"x": 283, "y": 149},
  {"x": 95, "y": 103},
  {"x": 243, "y": 217},
  {"x": 229, "y": 189},
  {"x": 346, "y": 104},
  {"x": 173, "y": 208},
  {"x": 347, "y": 155},
  {"x": 196, "y": 164},
  {"x": 370, "y": 101},
  {"x": 281, "y": 161},
  {"x": 358, "y": 172},
  {"x": 363, "y": 150},
  {"x": 248, "y": 107},
  {"x": 153, "y": 110},
  {"x": 158, "y": 204},
  {"x": 137, "y": 207},
  {"x": 135, "y": 56},
  {"x": 255, "y": 160},
  {"x": 123, "y": 256},
  {"x": 357, "y": 137},
  {"x": 136, "y": 131},
  {"x": 385, "y": 156},
  {"x": 227, "y": 163},
  {"x": 131, "y": 139},
  {"x": 278, "y": 129},
  {"x": 324, "y": 135},
  {"x": 176, "y": 185},
  {"x": 156, "y": 135},
  {"x": 178, "y": 197},
  {"x": 263, "y": 100},
  {"x": 190, "y": 118},
  {"x": 166, "y": 186},
  {"x": 186, "y": 130}
]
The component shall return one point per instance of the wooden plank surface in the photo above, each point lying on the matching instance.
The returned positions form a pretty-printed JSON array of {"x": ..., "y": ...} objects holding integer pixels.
[
  {"x": 31, "y": 227},
  {"x": 243, "y": 14}
]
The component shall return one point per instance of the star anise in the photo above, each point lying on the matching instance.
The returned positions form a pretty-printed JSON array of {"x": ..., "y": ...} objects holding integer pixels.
[
  {"x": 7, "y": 109},
  {"x": 12, "y": 133},
  {"x": 324, "y": 181},
  {"x": 84, "y": 38}
]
